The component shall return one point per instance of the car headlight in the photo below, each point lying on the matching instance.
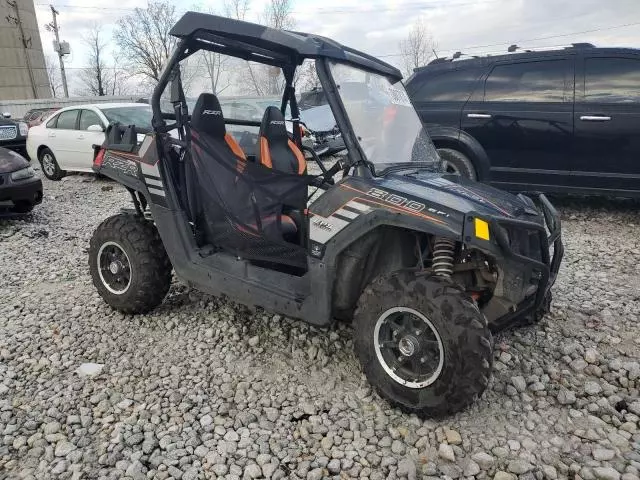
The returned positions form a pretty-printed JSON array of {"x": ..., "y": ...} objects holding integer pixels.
[
  {"x": 23, "y": 174},
  {"x": 24, "y": 128}
]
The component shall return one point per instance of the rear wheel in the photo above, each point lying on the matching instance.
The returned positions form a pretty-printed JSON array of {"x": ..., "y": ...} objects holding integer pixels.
[
  {"x": 128, "y": 264},
  {"x": 49, "y": 165},
  {"x": 457, "y": 163},
  {"x": 422, "y": 343}
]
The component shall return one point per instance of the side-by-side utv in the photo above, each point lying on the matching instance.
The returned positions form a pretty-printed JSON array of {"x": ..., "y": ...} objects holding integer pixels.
[{"x": 424, "y": 263}]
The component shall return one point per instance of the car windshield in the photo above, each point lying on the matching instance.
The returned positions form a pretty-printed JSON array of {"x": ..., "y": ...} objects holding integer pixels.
[
  {"x": 383, "y": 119},
  {"x": 140, "y": 116}
]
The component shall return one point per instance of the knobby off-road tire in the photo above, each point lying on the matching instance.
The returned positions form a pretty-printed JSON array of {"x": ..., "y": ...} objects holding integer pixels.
[
  {"x": 149, "y": 273},
  {"x": 458, "y": 163},
  {"x": 465, "y": 339}
]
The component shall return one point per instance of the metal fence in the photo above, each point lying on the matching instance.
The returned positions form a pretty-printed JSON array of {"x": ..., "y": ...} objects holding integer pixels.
[{"x": 17, "y": 108}]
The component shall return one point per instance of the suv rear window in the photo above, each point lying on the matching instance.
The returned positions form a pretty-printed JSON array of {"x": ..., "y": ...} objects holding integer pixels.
[
  {"x": 612, "y": 80},
  {"x": 450, "y": 86},
  {"x": 527, "y": 82}
]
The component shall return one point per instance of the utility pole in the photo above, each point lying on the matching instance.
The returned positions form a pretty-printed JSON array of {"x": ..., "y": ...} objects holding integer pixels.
[
  {"x": 26, "y": 43},
  {"x": 54, "y": 27}
]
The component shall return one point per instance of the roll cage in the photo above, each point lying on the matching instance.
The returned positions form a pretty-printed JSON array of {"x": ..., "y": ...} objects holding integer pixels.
[{"x": 278, "y": 48}]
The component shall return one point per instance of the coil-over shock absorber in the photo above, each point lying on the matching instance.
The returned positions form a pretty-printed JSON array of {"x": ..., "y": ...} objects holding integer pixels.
[{"x": 443, "y": 252}]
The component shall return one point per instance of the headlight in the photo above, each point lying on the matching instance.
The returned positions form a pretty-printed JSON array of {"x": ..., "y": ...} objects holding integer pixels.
[
  {"x": 24, "y": 128},
  {"x": 23, "y": 174}
]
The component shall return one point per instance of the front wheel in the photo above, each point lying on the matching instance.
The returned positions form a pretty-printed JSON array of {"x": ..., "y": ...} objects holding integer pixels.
[
  {"x": 423, "y": 343},
  {"x": 457, "y": 163},
  {"x": 128, "y": 264}
]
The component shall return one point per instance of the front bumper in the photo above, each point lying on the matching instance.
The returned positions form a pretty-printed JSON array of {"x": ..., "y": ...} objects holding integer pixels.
[
  {"x": 541, "y": 267},
  {"x": 21, "y": 191}
]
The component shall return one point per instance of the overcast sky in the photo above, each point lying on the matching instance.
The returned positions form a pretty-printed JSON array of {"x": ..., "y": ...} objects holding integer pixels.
[{"x": 377, "y": 26}]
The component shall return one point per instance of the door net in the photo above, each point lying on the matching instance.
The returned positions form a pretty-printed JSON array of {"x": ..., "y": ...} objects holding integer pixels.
[{"x": 246, "y": 208}]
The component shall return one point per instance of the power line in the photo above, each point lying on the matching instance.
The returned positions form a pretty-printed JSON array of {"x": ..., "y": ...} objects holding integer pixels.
[
  {"x": 89, "y": 7},
  {"x": 555, "y": 36},
  {"x": 354, "y": 9},
  {"x": 548, "y": 37}
]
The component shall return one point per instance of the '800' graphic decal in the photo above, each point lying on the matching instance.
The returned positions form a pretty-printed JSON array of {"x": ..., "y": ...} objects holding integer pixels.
[{"x": 403, "y": 202}]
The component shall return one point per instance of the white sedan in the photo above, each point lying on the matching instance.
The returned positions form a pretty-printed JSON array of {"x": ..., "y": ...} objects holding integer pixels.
[{"x": 65, "y": 141}]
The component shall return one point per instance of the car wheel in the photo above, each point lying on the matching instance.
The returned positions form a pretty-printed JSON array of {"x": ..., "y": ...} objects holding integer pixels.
[
  {"x": 457, "y": 163},
  {"x": 128, "y": 263},
  {"x": 50, "y": 166},
  {"x": 422, "y": 343}
]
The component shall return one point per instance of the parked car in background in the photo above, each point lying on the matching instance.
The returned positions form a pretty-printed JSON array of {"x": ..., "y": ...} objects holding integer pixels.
[
  {"x": 36, "y": 116},
  {"x": 65, "y": 142},
  {"x": 20, "y": 189},
  {"x": 559, "y": 121},
  {"x": 13, "y": 134}
]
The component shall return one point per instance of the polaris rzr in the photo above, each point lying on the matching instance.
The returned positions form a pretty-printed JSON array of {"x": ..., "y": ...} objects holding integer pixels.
[{"x": 425, "y": 264}]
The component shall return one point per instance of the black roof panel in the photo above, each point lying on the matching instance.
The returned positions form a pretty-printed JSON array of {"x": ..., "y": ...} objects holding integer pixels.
[{"x": 252, "y": 41}]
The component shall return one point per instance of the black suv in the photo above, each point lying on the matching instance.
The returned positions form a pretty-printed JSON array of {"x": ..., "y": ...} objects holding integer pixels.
[
  {"x": 562, "y": 121},
  {"x": 13, "y": 135}
]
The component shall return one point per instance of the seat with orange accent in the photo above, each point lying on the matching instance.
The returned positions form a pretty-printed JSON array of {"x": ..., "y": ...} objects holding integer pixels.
[
  {"x": 219, "y": 169},
  {"x": 207, "y": 120},
  {"x": 210, "y": 145},
  {"x": 276, "y": 150}
]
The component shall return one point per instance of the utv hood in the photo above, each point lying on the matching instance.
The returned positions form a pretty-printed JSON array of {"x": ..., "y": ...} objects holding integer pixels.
[{"x": 462, "y": 195}]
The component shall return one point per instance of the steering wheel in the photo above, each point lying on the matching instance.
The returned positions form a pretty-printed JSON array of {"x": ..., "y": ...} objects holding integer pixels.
[{"x": 327, "y": 175}]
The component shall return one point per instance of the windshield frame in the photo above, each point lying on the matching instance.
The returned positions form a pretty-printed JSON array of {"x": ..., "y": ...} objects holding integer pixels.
[{"x": 356, "y": 154}]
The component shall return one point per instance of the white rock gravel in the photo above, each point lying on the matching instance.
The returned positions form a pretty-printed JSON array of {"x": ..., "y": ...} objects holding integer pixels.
[{"x": 205, "y": 388}]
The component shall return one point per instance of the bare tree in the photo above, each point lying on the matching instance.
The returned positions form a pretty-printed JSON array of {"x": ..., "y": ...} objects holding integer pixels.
[
  {"x": 236, "y": 9},
  {"x": 267, "y": 80},
  {"x": 279, "y": 14},
  {"x": 417, "y": 48},
  {"x": 95, "y": 76},
  {"x": 143, "y": 37},
  {"x": 53, "y": 73},
  {"x": 307, "y": 77},
  {"x": 215, "y": 66},
  {"x": 119, "y": 78}
]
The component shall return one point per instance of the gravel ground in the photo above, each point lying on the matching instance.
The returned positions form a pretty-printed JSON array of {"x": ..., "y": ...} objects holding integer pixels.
[{"x": 205, "y": 388}]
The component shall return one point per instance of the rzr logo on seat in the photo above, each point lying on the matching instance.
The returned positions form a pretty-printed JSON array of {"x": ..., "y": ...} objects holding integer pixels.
[
  {"x": 212, "y": 112},
  {"x": 276, "y": 122}
]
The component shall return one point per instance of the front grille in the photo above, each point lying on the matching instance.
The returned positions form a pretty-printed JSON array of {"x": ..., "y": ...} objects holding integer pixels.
[{"x": 8, "y": 133}]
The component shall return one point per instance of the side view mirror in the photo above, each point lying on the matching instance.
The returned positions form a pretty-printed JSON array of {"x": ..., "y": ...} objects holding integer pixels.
[
  {"x": 6, "y": 115},
  {"x": 95, "y": 128}
]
